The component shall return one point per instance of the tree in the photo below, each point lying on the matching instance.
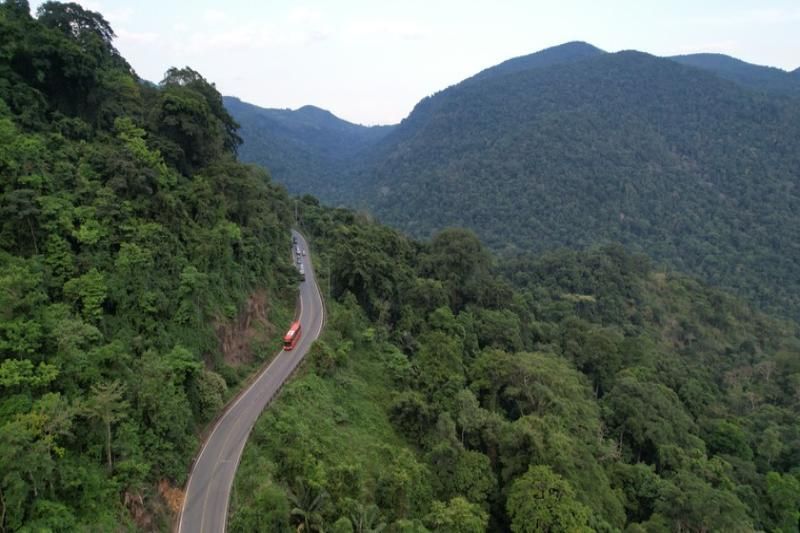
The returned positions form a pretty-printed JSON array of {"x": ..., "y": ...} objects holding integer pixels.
[
  {"x": 192, "y": 118},
  {"x": 440, "y": 367},
  {"x": 402, "y": 487},
  {"x": 641, "y": 486},
  {"x": 90, "y": 290},
  {"x": 269, "y": 510},
  {"x": 541, "y": 501},
  {"x": 75, "y": 21},
  {"x": 22, "y": 374},
  {"x": 647, "y": 415},
  {"x": 469, "y": 415},
  {"x": 458, "y": 259},
  {"x": 307, "y": 504},
  {"x": 783, "y": 492},
  {"x": 187, "y": 77},
  {"x": 367, "y": 519},
  {"x": 411, "y": 414},
  {"x": 692, "y": 504},
  {"x": 770, "y": 444},
  {"x": 457, "y": 516},
  {"x": 106, "y": 404}
]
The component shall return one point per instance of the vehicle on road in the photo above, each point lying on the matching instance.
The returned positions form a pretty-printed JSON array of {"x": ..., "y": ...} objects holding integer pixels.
[
  {"x": 208, "y": 490},
  {"x": 292, "y": 336},
  {"x": 302, "y": 273}
]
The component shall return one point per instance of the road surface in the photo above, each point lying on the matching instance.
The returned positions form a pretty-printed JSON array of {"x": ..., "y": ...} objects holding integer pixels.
[{"x": 205, "y": 505}]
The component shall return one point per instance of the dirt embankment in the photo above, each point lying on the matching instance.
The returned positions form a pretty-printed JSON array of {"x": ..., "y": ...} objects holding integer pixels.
[{"x": 240, "y": 337}]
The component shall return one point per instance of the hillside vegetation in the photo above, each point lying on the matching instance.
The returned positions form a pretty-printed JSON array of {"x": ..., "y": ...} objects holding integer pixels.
[
  {"x": 309, "y": 148},
  {"x": 128, "y": 232},
  {"x": 576, "y": 391},
  {"x": 668, "y": 160}
]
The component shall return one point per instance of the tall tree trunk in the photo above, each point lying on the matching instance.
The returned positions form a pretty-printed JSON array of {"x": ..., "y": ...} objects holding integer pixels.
[
  {"x": 108, "y": 446},
  {"x": 33, "y": 236}
]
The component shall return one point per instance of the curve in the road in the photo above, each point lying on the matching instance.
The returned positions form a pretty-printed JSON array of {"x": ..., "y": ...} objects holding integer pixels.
[{"x": 205, "y": 504}]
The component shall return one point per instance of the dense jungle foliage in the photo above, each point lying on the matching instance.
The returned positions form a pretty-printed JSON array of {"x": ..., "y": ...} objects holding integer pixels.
[
  {"x": 573, "y": 391},
  {"x": 128, "y": 230},
  {"x": 669, "y": 160}
]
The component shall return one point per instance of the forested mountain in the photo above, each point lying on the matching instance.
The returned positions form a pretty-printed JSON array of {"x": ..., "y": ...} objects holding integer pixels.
[
  {"x": 309, "y": 148},
  {"x": 573, "y": 391},
  {"x": 754, "y": 76},
  {"x": 130, "y": 238},
  {"x": 666, "y": 159}
]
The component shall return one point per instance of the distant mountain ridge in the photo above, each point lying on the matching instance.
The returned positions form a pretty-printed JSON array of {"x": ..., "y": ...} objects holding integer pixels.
[
  {"x": 747, "y": 74},
  {"x": 312, "y": 150},
  {"x": 307, "y": 149}
]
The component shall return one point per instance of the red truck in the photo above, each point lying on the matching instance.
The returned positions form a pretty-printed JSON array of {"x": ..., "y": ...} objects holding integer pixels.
[{"x": 292, "y": 336}]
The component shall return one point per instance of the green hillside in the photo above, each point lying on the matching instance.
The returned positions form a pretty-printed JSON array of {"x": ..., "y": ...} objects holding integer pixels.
[
  {"x": 309, "y": 149},
  {"x": 575, "y": 391},
  {"x": 130, "y": 239},
  {"x": 666, "y": 159}
]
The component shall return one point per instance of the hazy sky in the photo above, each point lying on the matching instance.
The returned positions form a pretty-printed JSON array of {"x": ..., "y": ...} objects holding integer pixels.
[{"x": 371, "y": 61}]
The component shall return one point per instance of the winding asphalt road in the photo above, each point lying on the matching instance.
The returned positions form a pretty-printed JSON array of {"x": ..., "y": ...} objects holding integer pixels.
[{"x": 205, "y": 505}]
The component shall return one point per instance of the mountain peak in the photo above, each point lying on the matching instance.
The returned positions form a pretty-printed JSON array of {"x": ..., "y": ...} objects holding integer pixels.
[
  {"x": 574, "y": 47},
  {"x": 563, "y": 53},
  {"x": 313, "y": 109}
]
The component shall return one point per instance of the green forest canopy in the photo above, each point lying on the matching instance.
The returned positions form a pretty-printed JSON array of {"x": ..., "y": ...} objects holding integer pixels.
[
  {"x": 128, "y": 229},
  {"x": 573, "y": 391}
]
